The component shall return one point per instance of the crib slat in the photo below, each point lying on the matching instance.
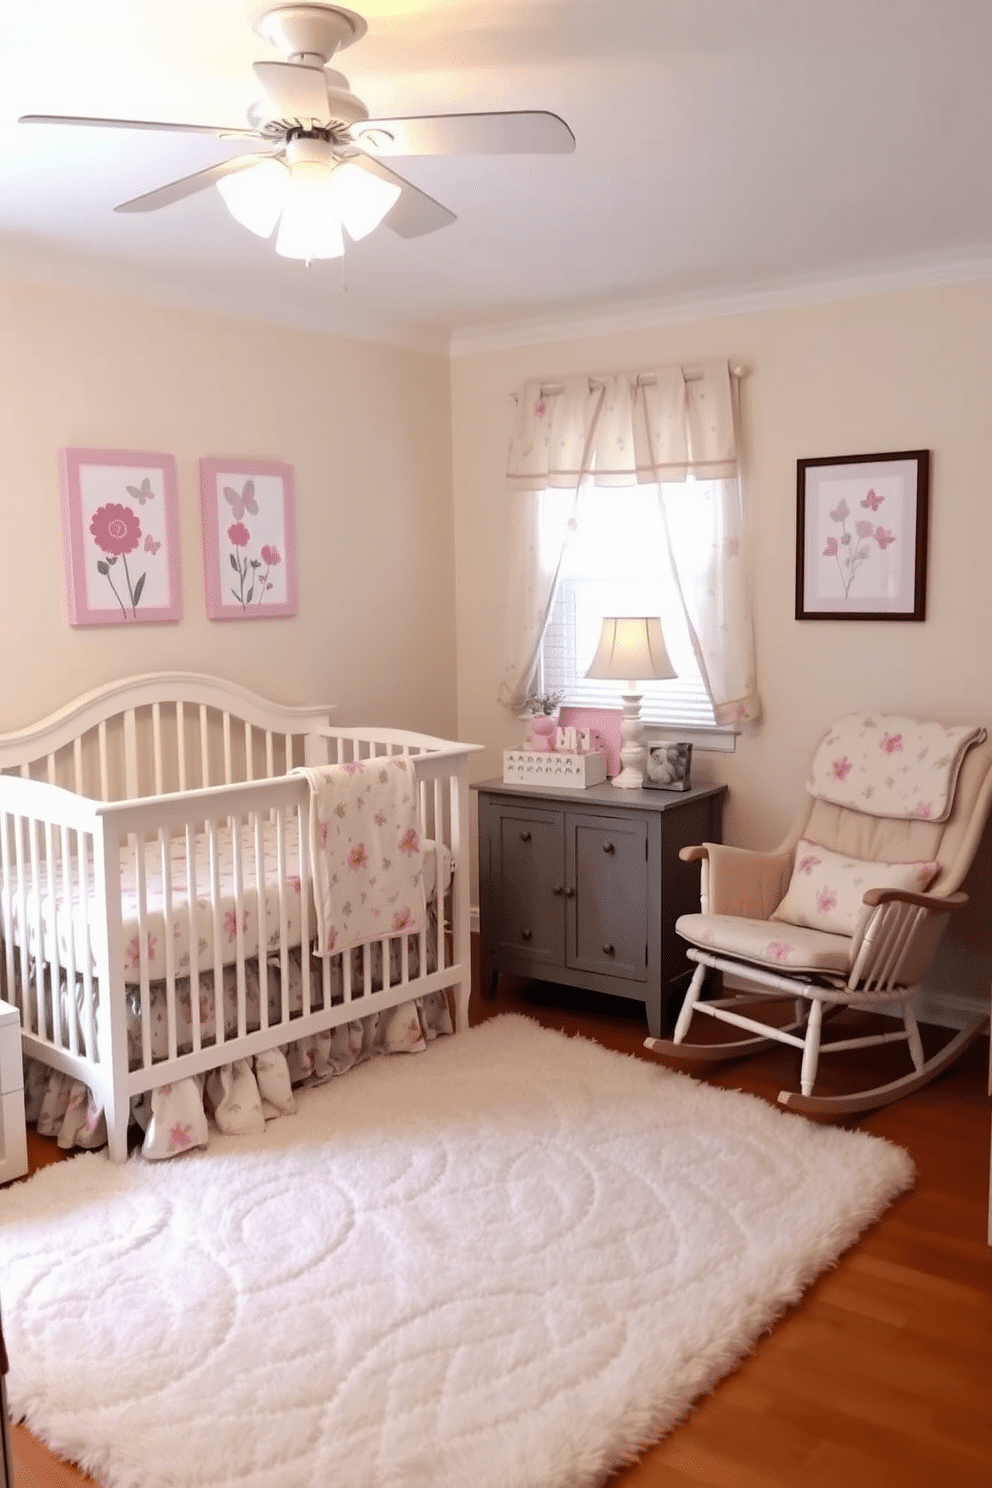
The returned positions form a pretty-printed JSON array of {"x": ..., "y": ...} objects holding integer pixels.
[
  {"x": 249, "y": 762},
  {"x": 132, "y": 787},
  {"x": 39, "y": 939},
  {"x": 52, "y": 954},
  {"x": 194, "y": 939},
  {"x": 220, "y": 1029},
  {"x": 228, "y": 770},
  {"x": 168, "y": 917},
  {"x": 283, "y": 945},
  {"x": 181, "y": 744},
  {"x": 157, "y": 745},
  {"x": 77, "y": 765},
  {"x": 68, "y": 896},
  {"x": 239, "y": 926},
  {"x": 261, "y": 903},
  {"x": 204, "y": 746},
  {"x": 84, "y": 858},
  {"x": 6, "y": 911},
  {"x": 101, "y": 735},
  {"x": 138, "y": 950},
  {"x": 270, "y": 768}
]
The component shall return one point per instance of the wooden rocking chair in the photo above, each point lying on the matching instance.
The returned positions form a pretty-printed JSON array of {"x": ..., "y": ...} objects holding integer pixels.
[{"x": 848, "y": 912}]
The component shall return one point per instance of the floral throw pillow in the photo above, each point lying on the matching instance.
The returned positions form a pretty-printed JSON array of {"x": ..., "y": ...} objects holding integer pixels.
[{"x": 826, "y": 889}]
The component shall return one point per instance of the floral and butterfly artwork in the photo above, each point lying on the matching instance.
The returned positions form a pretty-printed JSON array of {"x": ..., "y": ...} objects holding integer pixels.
[
  {"x": 249, "y": 538},
  {"x": 861, "y": 536},
  {"x": 120, "y": 537}
]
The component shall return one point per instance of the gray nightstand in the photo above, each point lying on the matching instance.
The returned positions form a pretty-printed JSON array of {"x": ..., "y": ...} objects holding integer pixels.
[{"x": 583, "y": 887}]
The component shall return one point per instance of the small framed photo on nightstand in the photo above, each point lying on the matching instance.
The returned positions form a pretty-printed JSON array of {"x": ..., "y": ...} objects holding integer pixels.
[{"x": 667, "y": 766}]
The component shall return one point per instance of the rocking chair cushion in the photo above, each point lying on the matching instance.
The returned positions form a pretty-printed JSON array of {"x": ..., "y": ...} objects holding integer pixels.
[
  {"x": 792, "y": 946},
  {"x": 827, "y": 889}
]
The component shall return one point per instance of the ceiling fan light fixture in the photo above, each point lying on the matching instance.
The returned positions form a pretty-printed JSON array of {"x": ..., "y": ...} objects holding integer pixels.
[
  {"x": 255, "y": 197},
  {"x": 310, "y": 226},
  {"x": 360, "y": 199}
]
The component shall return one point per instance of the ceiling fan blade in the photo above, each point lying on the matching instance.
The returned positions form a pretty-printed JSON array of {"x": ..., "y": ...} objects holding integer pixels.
[
  {"x": 297, "y": 91},
  {"x": 215, "y": 129},
  {"x": 514, "y": 133},
  {"x": 415, "y": 213},
  {"x": 164, "y": 196}
]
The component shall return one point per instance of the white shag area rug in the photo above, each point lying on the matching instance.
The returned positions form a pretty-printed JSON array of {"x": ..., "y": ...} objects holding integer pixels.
[{"x": 512, "y": 1262}]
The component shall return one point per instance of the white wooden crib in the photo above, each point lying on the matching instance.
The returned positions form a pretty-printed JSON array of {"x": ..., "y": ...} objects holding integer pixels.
[{"x": 154, "y": 848}]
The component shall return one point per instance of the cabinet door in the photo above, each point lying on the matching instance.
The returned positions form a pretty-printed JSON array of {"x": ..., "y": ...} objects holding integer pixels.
[
  {"x": 606, "y": 863},
  {"x": 529, "y": 883}
]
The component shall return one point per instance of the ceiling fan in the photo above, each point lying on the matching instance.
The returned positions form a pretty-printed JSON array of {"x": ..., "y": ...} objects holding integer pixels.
[{"x": 324, "y": 170}]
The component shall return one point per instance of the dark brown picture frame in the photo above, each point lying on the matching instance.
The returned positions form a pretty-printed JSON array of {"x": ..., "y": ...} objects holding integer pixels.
[{"x": 862, "y": 523}]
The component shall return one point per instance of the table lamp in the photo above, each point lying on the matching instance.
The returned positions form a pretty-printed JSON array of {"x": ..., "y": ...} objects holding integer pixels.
[{"x": 631, "y": 649}]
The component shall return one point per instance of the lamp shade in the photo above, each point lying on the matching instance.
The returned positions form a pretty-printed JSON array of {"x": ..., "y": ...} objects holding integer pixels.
[
  {"x": 631, "y": 648},
  {"x": 254, "y": 197}
]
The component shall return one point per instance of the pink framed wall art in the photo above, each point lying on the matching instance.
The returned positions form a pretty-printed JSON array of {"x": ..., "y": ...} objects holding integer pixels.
[
  {"x": 120, "y": 537},
  {"x": 249, "y": 538}
]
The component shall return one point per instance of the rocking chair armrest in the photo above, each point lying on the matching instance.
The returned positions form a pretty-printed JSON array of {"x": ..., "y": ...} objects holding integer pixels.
[
  {"x": 895, "y": 945},
  {"x": 939, "y": 905},
  {"x": 737, "y": 881},
  {"x": 693, "y": 854}
]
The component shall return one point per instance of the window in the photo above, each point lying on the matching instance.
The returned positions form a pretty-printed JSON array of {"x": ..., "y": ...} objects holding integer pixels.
[{"x": 617, "y": 564}]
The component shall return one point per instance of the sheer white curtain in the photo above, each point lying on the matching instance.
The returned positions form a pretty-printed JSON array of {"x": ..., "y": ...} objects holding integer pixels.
[{"x": 674, "y": 428}]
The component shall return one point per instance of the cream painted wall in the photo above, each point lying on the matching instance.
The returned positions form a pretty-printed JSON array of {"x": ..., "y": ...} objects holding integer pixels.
[
  {"x": 367, "y": 430},
  {"x": 905, "y": 370}
]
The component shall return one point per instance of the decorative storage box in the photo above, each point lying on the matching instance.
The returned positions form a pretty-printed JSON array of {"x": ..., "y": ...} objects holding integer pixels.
[{"x": 537, "y": 767}]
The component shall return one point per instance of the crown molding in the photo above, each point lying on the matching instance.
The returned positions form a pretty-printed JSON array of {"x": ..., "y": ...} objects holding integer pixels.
[{"x": 868, "y": 280}]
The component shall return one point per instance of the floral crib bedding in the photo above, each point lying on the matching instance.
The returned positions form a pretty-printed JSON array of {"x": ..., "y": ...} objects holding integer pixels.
[
  {"x": 61, "y": 916},
  {"x": 241, "y": 1096}
]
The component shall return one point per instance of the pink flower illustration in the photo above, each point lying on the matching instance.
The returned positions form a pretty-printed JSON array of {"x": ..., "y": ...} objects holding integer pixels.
[
  {"x": 826, "y": 901},
  {"x": 923, "y": 810},
  {"x": 401, "y": 919},
  {"x": 238, "y": 535},
  {"x": 231, "y": 923},
  {"x": 180, "y": 1137},
  {"x": 379, "y": 818},
  {"x": 270, "y": 557},
  {"x": 841, "y": 768},
  {"x": 293, "y": 879},
  {"x": 891, "y": 743},
  {"x": 358, "y": 857},
  {"x": 807, "y": 863},
  {"x": 541, "y": 408},
  {"x": 409, "y": 842},
  {"x": 132, "y": 954},
  {"x": 353, "y": 767},
  {"x": 117, "y": 532},
  {"x": 116, "y": 529},
  {"x": 151, "y": 546},
  {"x": 779, "y": 950},
  {"x": 851, "y": 550}
]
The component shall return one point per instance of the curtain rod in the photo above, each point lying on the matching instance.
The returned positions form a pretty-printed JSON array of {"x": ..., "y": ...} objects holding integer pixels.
[{"x": 551, "y": 389}]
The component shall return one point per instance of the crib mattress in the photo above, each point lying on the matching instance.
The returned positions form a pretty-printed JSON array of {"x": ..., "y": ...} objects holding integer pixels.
[{"x": 272, "y": 913}]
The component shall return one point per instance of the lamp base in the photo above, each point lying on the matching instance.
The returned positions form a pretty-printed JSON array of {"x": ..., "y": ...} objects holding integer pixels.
[
  {"x": 628, "y": 779},
  {"x": 632, "y": 752}
]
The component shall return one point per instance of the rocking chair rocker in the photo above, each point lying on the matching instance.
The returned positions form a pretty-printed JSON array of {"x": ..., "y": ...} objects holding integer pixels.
[{"x": 848, "y": 912}]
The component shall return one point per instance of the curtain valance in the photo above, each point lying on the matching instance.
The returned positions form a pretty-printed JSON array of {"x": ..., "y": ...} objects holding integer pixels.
[{"x": 626, "y": 428}]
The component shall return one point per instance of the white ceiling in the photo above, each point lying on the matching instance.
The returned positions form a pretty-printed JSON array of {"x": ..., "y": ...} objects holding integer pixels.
[{"x": 725, "y": 149}]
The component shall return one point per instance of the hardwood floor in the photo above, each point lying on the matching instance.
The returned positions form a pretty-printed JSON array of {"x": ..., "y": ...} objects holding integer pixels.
[{"x": 882, "y": 1374}]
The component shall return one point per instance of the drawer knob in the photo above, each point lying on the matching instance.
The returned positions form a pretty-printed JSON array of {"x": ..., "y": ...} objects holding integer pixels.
[
  {"x": 569, "y": 893},
  {"x": 609, "y": 847},
  {"x": 526, "y": 934},
  {"x": 558, "y": 890},
  {"x": 609, "y": 950},
  {"x": 524, "y": 836}
]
